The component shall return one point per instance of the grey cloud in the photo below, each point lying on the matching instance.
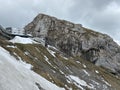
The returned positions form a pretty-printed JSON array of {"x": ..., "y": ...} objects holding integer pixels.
[
  {"x": 16, "y": 12},
  {"x": 99, "y": 15},
  {"x": 101, "y": 4}
]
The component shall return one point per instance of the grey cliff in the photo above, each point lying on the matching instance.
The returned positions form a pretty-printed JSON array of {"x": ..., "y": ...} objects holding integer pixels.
[{"x": 75, "y": 40}]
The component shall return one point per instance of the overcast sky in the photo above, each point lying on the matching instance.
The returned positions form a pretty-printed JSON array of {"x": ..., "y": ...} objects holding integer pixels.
[{"x": 99, "y": 15}]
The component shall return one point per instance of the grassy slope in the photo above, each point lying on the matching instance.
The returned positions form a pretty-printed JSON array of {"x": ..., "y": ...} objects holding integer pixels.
[{"x": 52, "y": 72}]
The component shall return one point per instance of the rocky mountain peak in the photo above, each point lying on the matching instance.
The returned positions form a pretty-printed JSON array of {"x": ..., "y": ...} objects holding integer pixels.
[
  {"x": 75, "y": 40},
  {"x": 66, "y": 56},
  {"x": 46, "y": 23}
]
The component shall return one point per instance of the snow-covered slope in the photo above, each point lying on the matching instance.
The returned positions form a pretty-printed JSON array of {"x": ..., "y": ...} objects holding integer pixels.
[{"x": 16, "y": 75}]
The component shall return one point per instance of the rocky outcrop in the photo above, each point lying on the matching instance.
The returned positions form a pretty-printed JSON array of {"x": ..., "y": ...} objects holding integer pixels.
[
  {"x": 75, "y": 40},
  {"x": 3, "y": 34}
]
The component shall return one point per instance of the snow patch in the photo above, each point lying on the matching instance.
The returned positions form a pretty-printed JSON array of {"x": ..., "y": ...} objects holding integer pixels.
[
  {"x": 68, "y": 87},
  {"x": 22, "y": 40},
  {"x": 27, "y": 53},
  {"x": 47, "y": 60},
  {"x": 11, "y": 46},
  {"x": 96, "y": 71},
  {"x": 106, "y": 82},
  {"x": 49, "y": 76},
  {"x": 37, "y": 49},
  {"x": 95, "y": 82},
  {"x": 40, "y": 40},
  {"x": 68, "y": 69},
  {"x": 49, "y": 46},
  {"x": 65, "y": 58},
  {"x": 61, "y": 72},
  {"x": 86, "y": 72},
  {"x": 51, "y": 52},
  {"x": 54, "y": 71},
  {"x": 84, "y": 66},
  {"x": 78, "y": 62},
  {"x": 78, "y": 82}
]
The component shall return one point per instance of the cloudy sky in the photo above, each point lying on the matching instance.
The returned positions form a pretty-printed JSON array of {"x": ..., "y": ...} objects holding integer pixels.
[{"x": 99, "y": 15}]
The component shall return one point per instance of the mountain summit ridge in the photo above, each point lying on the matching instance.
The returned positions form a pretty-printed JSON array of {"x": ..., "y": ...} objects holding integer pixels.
[
  {"x": 75, "y": 40},
  {"x": 59, "y": 55}
]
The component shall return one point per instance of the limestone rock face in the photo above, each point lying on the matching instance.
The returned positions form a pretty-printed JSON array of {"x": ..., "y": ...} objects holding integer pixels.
[{"x": 75, "y": 40}]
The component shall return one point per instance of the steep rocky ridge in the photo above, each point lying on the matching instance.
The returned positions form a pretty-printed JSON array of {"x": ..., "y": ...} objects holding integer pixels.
[
  {"x": 62, "y": 57},
  {"x": 75, "y": 40}
]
